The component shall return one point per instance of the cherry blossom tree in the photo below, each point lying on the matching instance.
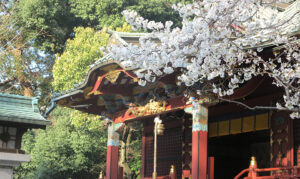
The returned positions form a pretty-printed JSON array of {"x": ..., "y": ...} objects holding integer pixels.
[{"x": 219, "y": 48}]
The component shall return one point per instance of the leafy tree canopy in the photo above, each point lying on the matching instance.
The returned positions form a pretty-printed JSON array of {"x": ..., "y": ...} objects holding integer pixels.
[
  {"x": 23, "y": 69},
  {"x": 108, "y": 12},
  {"x": 53, "y": 21},
  {"x": 82, "y": 51},
  {"x": 159, "y": 10},
  {"x": 50, "y": 20},
  {"x": 65, "y": 150},
  {"x": 100, "y": 12}
]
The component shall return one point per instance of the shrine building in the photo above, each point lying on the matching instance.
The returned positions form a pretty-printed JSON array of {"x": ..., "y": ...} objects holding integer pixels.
[{"x": 203, "y": 139}]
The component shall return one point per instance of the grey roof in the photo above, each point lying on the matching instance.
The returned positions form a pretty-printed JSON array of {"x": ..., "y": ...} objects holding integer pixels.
[{"x": 20, "y": 109}]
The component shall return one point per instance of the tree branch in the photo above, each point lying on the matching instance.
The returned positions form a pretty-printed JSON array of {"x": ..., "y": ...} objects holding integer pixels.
[
  {"x": 7, "y": 81},
  {"x": 259, "y": 107}
]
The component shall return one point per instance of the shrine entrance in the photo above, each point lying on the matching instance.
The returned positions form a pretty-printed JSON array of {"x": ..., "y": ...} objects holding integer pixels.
[
  {"x": 169, "y": 146},
  {"x": 233, "y": 152}
]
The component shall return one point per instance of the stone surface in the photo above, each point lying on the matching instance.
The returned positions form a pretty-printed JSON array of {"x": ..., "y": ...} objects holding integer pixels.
[
  {"x": 12, "y": 159},
  {"x": 6, "y": 173}
]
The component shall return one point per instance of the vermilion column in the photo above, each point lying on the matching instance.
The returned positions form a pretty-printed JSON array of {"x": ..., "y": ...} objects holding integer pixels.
[
  {"x": 112, "y": 157},
  {"x": 199, "y": 141}
]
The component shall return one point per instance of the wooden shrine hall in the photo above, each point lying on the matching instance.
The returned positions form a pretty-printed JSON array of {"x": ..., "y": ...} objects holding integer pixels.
[{"x": 202, "y": 139}]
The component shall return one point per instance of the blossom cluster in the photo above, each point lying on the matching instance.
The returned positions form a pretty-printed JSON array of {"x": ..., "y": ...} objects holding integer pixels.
[{"x": 219, "y": 44}]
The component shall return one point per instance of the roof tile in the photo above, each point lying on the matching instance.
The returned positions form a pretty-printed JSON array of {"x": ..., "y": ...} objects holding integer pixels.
[{"x": 20, "y": 109}]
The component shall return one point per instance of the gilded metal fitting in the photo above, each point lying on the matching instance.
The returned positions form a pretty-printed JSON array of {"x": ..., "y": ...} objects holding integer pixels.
[{"x": 253, "y": 161}]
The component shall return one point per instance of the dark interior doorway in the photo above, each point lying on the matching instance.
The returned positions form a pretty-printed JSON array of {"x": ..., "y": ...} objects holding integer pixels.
[{"x": 233, "y": 153}]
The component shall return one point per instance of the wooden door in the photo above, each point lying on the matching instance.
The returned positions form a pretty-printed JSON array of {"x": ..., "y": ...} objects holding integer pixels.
[{"x": 281, "y": 140}]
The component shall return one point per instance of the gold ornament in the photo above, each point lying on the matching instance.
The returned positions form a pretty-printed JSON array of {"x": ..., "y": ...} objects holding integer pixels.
[
  {"x": 153, "y": 107},
  {"x": 112, "y": 76}
]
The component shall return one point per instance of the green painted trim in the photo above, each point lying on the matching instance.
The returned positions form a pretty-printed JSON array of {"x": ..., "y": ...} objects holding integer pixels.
[
  {"x": 118, "y": 126},
  {"x": 188, "y": 110}
]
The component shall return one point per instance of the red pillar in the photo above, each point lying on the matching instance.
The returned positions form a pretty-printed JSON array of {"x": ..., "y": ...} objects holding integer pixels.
[
  {"x": 112, "y": 157},
  {"x": 199, "y": 141},
  {"x": 211, "y": 168}
]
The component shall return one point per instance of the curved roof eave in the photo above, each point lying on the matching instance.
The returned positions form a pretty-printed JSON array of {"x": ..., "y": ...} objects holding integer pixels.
[{"x": 106, "y": 60}]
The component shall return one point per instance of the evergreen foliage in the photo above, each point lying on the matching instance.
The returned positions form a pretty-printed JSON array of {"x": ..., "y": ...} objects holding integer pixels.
[
  {"x": 82, "y": 51},
  {"x": 65, "y": 150},
  {"x": 53, "y": 21}
]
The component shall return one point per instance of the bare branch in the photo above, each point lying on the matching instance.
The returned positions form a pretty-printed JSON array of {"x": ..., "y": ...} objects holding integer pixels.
[{"x": 260, "y": 107}]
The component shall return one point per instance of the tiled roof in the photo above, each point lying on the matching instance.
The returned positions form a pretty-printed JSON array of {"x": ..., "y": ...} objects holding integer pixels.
[{"x": 20, "y": 109}]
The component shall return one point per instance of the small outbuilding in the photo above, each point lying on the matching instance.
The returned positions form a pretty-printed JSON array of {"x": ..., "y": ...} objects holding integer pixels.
[{"x": 17, "y": 115}]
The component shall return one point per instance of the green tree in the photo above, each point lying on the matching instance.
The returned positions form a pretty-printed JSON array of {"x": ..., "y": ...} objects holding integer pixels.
[
  {"x": 100, "y": 13},
  {"x": 23, "y": 70},
  {"x": 64, "y": 150},
  {"x": 82, "y": 51},
  {"x": 53, "y": 21},
  {"x": 158, "y": 10},
  {"x": 50, "y": 21}
]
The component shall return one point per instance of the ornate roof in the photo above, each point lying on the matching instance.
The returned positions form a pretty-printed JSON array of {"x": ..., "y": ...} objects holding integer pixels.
[
  {"x": 109, "y": 87},
  {"x": 21, "y": 109}
]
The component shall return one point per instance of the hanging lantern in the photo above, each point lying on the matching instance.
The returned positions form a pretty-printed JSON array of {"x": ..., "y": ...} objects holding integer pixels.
[{"x": 160, "y": 129}]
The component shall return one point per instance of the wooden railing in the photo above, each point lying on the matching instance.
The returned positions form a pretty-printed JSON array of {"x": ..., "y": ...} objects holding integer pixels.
[{"x": 274, "y": 173}]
